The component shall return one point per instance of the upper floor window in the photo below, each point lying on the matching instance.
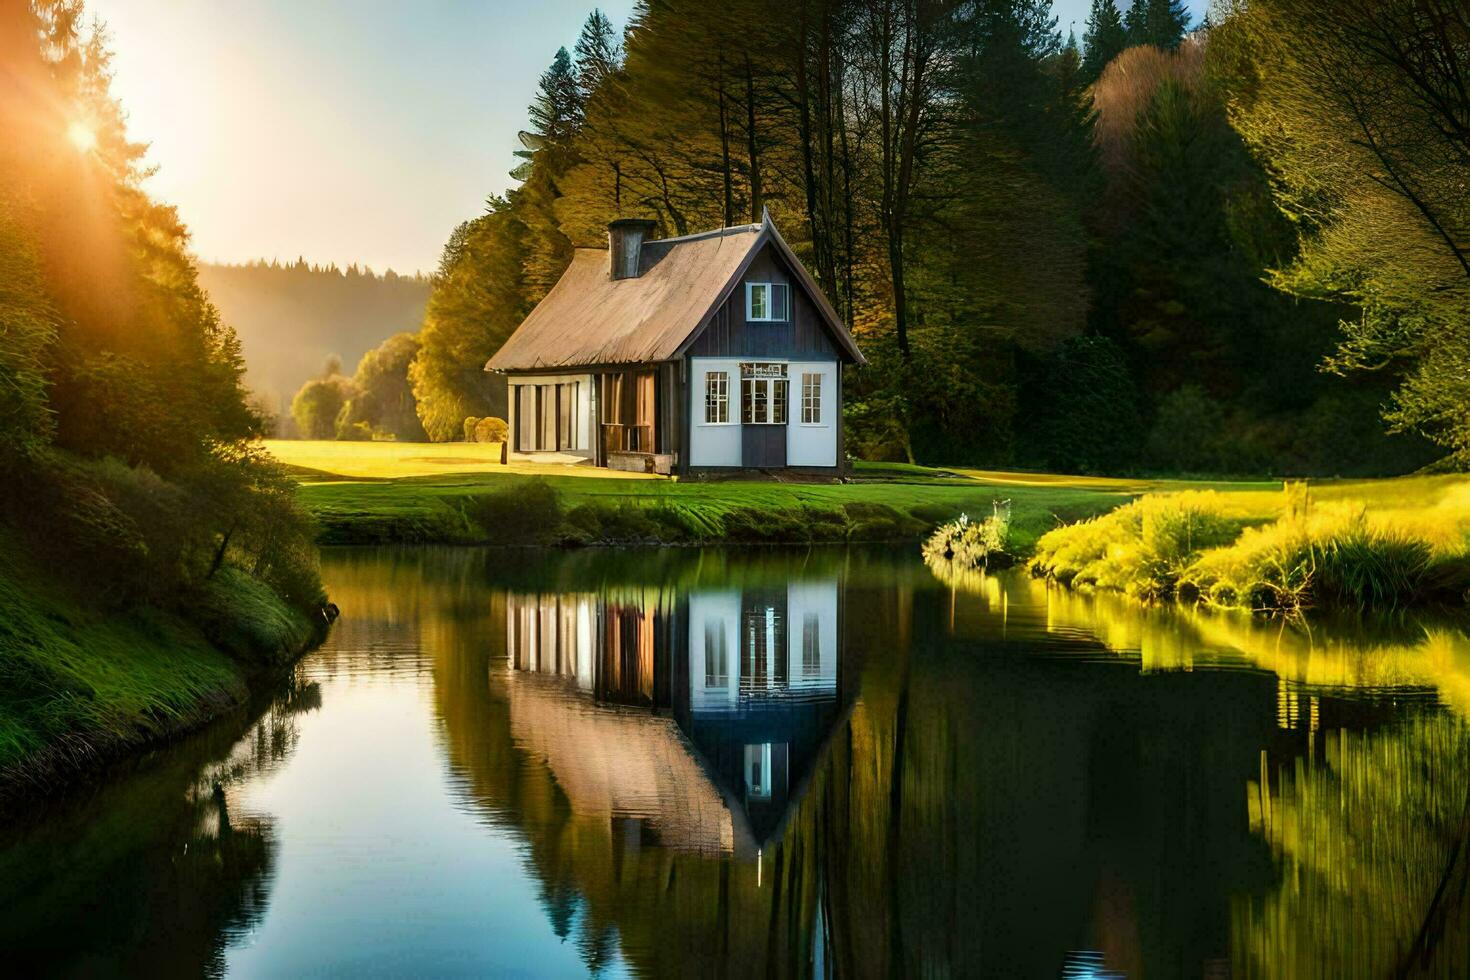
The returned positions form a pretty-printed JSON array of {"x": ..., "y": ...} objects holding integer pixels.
[{"x": 767, "y": 301}]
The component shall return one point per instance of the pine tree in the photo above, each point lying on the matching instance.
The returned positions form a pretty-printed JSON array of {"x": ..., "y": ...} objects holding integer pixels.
[
  {"x": 1167, "y": 20},
  {"x": 599, "y": 55},
  {"x": 1105, "y": 38},
  {"x": 1135, "y": 22},
  {"x": 556, "y": 114},
  {"x": 1161, "y": 23}
]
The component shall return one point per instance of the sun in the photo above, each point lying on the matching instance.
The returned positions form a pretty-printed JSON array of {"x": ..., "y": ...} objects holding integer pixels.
[{"x": 81, "y": 136}]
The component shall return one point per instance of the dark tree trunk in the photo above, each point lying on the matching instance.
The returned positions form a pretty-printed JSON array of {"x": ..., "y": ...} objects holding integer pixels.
[
  {"x": 840, "y": 113},
  {"x": 815, "y": 222},
  {"x": 728, "y": 214},
  {"x": 752, "y": 146}
]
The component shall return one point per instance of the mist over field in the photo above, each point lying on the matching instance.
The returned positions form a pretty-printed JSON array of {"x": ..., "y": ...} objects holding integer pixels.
[{"x": 292, "y": 318}]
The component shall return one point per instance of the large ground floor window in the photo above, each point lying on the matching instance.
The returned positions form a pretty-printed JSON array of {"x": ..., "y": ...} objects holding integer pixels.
[
  {"x": 546, "y": 417},
  {"x": 763, "y": 394}
]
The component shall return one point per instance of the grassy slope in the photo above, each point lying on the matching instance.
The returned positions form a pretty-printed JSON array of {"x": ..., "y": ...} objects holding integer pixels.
[
  {"x": 408, "y": 490},
  {"x": 79, "y": 683},
  {"x": 75, "y": 678}
]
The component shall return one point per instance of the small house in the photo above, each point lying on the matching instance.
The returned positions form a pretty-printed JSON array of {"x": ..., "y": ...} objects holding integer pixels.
[{"x": 704, "y": 353}]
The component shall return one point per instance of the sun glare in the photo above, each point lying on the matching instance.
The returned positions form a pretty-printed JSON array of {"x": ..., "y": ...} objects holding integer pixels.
[{"x": 81, "y": 136}]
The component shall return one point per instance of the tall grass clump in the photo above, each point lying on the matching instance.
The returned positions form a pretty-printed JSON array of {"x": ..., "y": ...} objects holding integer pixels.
[
  {"x": 963, "y": 544},
  {"x": 1141, "y": 548},
  {"x": 1335, "y": 556},
  {"x": 1197, "y": 546}
]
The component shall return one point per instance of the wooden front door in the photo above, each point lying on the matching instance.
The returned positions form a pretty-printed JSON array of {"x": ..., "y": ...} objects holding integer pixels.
[
  {"x": 763, "y": 446},
  {"x": 764, "y": 396}
]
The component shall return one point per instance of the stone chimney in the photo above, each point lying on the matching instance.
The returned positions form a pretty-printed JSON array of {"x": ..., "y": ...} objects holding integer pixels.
[{"x": 625, "y": 238}]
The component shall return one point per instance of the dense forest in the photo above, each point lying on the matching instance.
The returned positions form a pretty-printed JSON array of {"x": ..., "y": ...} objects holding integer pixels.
[
  {"x": 141, "y": 524},
  {"x": 292, "y": 318},
  {"x": 1227, "y": 247}
]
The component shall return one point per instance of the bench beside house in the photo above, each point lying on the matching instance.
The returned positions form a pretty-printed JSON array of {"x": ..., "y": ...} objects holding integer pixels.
[{"x": 713, "y": 352}]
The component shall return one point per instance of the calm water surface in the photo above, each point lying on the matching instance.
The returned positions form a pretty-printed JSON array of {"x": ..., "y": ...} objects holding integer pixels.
[{"x": 774, "y": 763}]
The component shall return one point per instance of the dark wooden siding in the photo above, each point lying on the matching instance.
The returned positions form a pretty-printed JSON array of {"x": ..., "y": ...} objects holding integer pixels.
[
  {"x": 671, "y": 410},
  {"x": 728, "y": 334}
]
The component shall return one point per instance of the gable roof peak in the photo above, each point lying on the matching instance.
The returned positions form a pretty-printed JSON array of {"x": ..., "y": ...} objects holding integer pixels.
[{"x": 592, "y": 318}]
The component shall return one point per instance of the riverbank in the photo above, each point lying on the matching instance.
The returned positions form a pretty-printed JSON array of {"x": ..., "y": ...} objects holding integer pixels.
[
  {"x": 84, "y": 682},
  {"x": 459, "y": 493},
  {"x": 1357, "y": 545}
]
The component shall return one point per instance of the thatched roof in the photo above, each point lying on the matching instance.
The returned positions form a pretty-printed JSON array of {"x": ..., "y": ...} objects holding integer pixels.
[{"x": 590, "y": 319}]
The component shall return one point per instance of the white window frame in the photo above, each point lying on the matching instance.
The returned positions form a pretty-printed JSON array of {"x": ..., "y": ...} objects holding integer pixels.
[
  {"x": 769, "y": 389},
  {"x": 771, "y": 292},
  {"x": 821, "y": 380},
  {"x": 709, "y": 376}
]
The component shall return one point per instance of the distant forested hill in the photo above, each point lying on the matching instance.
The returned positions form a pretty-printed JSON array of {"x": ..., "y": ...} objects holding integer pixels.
[{"x": 292, "y": 318}]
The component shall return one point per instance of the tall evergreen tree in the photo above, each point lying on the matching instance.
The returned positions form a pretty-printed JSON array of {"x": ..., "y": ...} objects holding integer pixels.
[
  {"x": 1167, "y": 20},
  {"x": 556, "y": 112},
  {"x": 1135, "y": 22},
  {"x": 1161, "y": 23},
  {"x": 598, "y": 54},
  {"x": 1105, "y": 39}
]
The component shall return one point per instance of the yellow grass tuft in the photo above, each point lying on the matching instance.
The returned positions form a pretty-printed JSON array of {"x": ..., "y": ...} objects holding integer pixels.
[{"x": 1366, "y": 545}]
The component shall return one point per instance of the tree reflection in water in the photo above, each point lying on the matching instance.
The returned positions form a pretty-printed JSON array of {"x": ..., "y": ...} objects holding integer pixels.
[
  {"x": 151, "y": 875},
  {"x": 773, "y": 763},
  {"x": 987, "y": 782}
]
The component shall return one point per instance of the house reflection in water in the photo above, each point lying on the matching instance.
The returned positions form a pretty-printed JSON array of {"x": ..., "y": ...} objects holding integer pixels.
[
  {"x": 605, "y": 647},
  {"x": 741, "y": 687}
]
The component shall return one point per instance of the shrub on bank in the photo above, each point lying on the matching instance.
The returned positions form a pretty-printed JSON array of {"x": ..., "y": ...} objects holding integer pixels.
[
  {"x": 1141, "y": 548},
  {"x": 241, "y": 615},
  {"x": 131, "y": 537},
  {"x": 963, "y": 544},
  {"x": 523, "y": 513},
  {"x": 620, "y": 522},
  {"x": 491, "y": 429}
]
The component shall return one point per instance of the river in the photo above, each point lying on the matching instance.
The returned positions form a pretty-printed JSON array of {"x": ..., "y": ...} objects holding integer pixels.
[{"x": 769, "y": 763}]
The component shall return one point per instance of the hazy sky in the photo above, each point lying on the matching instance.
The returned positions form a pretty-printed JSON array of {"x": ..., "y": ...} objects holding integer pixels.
[{"x": 340, "y": 130}]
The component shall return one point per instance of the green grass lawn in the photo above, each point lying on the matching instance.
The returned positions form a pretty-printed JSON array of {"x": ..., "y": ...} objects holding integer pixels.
[{"x": 380, "y": 491}]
